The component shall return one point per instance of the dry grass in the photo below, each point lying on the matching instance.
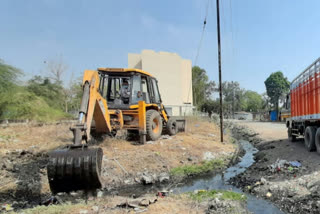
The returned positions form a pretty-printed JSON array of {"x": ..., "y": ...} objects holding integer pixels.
[
  {"x": 38, "y": 139},
  {"x": 164, "y": 154},
  {"x": 159, "y": 156},
  {"x": 172, "y": 204}
]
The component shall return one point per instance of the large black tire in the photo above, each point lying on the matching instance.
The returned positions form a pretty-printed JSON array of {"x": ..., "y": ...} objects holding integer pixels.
[
  {"x": 292, "y": 138},
  {"x": 317, "y": 141},
  {"x": 154, "y": 125},
  {"x": 309, "y": 138},
  {"x": 172, "y": 127}
]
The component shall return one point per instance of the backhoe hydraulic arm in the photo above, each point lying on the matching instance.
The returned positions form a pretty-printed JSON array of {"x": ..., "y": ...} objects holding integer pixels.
[{"x": 77, "y": 166}]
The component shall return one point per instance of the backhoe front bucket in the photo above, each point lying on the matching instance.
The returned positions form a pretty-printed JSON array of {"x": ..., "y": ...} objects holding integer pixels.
[{"x": 74, "y": 168}]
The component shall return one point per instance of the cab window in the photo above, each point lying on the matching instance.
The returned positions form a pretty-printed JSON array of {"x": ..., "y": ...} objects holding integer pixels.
[
  {"x": 156, "y": 91},
  {"x": 136, "y": 89},
  {"x": 145, "y": 92}
]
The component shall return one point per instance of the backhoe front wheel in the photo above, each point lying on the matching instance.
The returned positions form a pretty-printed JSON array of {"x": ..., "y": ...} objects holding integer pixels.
[{"x": 154, "y": 125}]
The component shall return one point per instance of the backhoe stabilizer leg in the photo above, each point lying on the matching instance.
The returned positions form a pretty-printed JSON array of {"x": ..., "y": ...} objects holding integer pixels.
[{"x": 143, "y": 137}]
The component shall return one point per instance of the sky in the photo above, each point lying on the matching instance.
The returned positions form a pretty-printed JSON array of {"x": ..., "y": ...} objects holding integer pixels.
[{"x": 258, "y": 37}]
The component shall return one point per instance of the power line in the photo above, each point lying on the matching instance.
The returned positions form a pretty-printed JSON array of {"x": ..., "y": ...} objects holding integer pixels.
[
  {"x": 198, "y": 50},
  {"x": 202, "y": 34},
  {"x": 231, "y": 29}
]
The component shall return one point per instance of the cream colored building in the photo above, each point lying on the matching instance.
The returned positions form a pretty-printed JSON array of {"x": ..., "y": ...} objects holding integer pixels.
[{"x": 174, "y": 76}]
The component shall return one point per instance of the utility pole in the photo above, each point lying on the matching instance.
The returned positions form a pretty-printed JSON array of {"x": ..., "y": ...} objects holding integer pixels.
[
  {"x": 219, "y": 64},
  {"x": 232, "y": 99}
]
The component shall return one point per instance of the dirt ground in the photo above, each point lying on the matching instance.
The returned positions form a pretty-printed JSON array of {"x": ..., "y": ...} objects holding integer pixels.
[
  {"x": 23, "y": 158},
  {"x": 273, "y": 176}
]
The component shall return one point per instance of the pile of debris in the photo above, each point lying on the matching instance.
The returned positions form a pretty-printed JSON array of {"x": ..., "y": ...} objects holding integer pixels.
[{"x": 284, "y": 165}]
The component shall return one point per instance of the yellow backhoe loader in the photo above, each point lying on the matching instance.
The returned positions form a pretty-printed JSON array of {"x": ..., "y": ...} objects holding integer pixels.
[{"x": 113, "y": 99}]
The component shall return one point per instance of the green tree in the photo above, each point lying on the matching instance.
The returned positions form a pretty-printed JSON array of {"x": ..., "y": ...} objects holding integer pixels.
[
  {"x": 202, "y": 88},
  {"x": 266, "y": 101},
  {"x": 233, "y": 96},
  {"x": 19, "y": 103},
  {"x": 74, "y": 96},
  {"x": 253, "y": 101},
  {"x": 277, "y": 85},
  {"x": 52, "y": 93},
  {"x": 8, "y": 76},
  {"x": 210, "y": 106}
]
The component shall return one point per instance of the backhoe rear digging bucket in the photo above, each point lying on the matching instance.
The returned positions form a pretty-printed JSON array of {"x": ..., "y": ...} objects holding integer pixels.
[{"x": 74, "y": 168}]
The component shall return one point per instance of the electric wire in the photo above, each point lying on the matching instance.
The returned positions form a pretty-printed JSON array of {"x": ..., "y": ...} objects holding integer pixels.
[{"x": 198, "y": 52}]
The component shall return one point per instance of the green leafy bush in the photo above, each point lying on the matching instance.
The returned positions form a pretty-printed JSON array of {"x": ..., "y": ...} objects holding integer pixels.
[{"x": 22, "y": 104}]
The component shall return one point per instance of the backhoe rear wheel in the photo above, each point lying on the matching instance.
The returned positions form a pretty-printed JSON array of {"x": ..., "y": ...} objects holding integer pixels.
[{"x": 154, "y": 125}]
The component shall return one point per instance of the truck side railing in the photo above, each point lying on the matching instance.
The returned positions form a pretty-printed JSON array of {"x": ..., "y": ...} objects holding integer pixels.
[{"x": 303, "y": 76}]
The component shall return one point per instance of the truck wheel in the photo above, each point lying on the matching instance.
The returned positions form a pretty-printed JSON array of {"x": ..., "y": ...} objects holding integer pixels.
[
  {"x": 172, "y": 127},
  {"x": 292, "y": 138},
  {"x": 317, "y": 141},
  {"x": 309, "y": 138},
  {"x": 154, "y": 125}
]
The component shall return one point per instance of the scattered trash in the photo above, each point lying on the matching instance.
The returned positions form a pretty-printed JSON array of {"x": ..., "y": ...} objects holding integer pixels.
[
  {"x": 136, "y": 204},
  {"x": 211, "y": 135},
  {"x": 52, "y": 200},
  {"x": 144, "y": 202},
  {"x": 7, "y": 207},
  {"x": 95, "y": 208},
  {"x": 280, "y": 165},
  {"x": 163, "y": 194},
  {"x": 208, "y": 156},
  {"x": 263, "y": 180},
  {"x": 268, "y": 194},
  {"x": 196, "y": 125},
  {"x": 166, "y": 137},
  {"x": 99, "y": 194},
  {"x": 295, "y": 163}
]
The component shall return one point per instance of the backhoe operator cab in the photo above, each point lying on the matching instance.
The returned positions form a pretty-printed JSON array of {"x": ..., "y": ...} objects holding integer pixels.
[{"x": 123, "y": 89}]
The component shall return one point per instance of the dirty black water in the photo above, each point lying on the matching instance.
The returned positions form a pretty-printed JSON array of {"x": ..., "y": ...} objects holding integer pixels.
[
  {"x": 216, "y": 182},
  {"x": 220, "y": 182}
]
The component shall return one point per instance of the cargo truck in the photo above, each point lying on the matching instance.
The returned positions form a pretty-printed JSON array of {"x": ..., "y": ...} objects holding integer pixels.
[{"x": 303, "y": 101}]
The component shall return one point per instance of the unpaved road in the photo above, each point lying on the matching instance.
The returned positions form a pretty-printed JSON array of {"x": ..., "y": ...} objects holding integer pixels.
[
  {"x": 276, "y": 145},
  {"x": 294, "y": 189},
  {"x": 267, "y": 130}
]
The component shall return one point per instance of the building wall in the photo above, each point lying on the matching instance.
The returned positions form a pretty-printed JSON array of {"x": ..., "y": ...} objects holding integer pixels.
[{"x": 173, "y": 74}]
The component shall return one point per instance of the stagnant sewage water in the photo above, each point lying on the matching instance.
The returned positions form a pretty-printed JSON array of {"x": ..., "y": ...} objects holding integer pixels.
[{"x": 218, "y": 182}]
